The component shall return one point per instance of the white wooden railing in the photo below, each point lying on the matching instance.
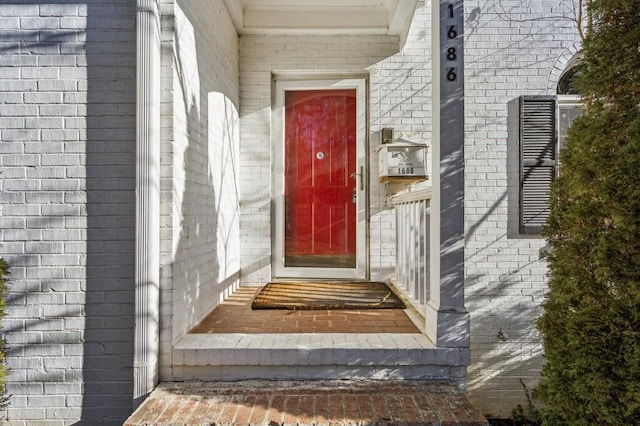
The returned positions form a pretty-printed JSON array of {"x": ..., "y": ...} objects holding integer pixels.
[{"x": 412, "y": 245}]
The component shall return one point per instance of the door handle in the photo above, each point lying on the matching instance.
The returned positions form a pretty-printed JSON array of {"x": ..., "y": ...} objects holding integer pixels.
[{"x": 361, "y": 176}]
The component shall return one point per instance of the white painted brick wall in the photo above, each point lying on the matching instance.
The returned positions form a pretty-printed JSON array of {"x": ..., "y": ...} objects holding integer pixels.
[
  {"x": 67, "y": 90},
  {"x": 67, "y": 143},
  {"x": 200, "y": 150},
  {"x": 399, "y": 97},
  {"x": 509, "y": 51}
]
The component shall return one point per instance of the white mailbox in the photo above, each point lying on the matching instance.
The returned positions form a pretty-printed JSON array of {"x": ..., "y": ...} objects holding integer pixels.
[{"x": 403, "y": 161}]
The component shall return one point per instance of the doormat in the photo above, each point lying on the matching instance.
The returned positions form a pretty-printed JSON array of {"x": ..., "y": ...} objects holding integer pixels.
[{"x": 327, "y": 295}]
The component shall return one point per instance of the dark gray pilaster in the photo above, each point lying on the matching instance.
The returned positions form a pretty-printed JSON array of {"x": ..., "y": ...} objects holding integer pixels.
[{"x": 446, "y": 317}]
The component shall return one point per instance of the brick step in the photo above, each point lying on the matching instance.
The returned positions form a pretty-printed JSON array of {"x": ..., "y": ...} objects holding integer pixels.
[
  {"x": 316, "y": 356},
  {"x": 306, "y": 403}
]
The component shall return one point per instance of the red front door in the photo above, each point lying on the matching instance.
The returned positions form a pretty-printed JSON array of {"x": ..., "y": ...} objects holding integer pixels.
[{"x": 320, "y": 184}]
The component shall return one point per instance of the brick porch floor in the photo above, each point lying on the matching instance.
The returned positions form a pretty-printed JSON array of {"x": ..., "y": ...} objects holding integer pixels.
[
  {"x": 307, "y": 403},
  {"x": 235, "y": 315}
]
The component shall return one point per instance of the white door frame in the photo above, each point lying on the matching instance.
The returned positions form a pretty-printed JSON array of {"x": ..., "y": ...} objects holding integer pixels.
[{"x": 279, "y": 270}]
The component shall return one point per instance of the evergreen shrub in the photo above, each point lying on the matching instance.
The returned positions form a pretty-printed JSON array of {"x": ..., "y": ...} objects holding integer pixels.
[{"x": 591, "y": 319}]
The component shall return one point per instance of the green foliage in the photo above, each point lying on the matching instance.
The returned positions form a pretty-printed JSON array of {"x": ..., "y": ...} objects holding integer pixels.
[
  {"x": 591, "y": 320},
  {"x": 4, "y": 272}
]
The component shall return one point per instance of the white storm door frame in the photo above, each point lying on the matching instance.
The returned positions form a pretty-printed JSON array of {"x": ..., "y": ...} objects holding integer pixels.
[{"x": 279, "y": 269}]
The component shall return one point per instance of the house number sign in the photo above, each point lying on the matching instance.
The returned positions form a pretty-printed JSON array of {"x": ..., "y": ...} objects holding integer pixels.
[{"x": 451, "y": 25}]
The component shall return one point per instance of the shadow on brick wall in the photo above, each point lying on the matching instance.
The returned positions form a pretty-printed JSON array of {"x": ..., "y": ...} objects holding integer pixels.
[
  {"x": 110, "y": 178},
  {"x": 72, "y": 297}
]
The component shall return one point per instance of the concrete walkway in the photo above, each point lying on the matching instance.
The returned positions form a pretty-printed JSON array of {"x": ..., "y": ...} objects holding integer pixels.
[{"x": 342, "y": 402}]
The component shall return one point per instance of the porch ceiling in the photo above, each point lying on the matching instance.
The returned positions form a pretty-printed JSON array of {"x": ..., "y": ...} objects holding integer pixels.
[{"x": 390, "y": 17}]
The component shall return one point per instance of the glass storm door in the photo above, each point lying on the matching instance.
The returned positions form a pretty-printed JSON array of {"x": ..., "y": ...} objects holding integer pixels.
[{"x": 320, "y": 205}]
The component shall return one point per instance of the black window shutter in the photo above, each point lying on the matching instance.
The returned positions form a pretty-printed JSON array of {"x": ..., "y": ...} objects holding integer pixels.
[{"x": 537, "y": 160}]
